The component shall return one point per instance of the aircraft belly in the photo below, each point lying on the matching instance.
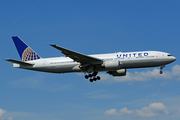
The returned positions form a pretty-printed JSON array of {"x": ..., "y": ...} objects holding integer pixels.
[
  {"x": 62, "y": 68},
  {"x": 55, "y": 68},
  {"x": 143, "y": 63}
]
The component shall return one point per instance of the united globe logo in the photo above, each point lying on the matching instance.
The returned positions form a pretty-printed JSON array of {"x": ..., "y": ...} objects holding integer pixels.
[{"x": 29, "y": 54}]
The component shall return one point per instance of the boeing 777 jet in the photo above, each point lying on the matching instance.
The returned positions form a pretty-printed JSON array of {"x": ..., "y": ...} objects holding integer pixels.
[{"x": 114, "y": 64}]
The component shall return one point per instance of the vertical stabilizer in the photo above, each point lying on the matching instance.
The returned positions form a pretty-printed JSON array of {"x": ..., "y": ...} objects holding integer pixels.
[{"x": 25, "y": 52}]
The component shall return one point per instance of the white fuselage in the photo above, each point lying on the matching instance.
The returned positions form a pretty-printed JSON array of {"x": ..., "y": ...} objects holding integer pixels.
[{"x": 127, "y": 60}]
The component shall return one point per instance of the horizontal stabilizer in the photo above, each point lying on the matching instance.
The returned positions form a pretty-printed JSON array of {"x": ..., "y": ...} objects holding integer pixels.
[{"x": 19, "y": 62}]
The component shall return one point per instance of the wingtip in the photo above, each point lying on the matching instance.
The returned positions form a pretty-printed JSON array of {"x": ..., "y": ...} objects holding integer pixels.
[
  {"x": 52, "y": 44},
  {"x": 6, "y": 59}
]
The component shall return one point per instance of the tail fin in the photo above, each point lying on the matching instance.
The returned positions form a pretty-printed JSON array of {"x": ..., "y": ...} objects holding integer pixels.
[{"x": 25, "y": 52}]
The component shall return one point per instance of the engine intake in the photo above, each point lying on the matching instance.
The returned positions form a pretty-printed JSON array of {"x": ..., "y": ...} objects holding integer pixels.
[{"x": 112, "y": 65}]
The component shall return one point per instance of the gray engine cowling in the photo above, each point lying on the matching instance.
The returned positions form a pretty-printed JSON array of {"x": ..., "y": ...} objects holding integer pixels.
[
  {"x": 120, "y": 72},
  {"x": 112, "y": 65}
]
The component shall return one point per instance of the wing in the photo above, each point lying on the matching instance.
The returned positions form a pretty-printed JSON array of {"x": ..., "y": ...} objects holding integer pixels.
[{"x": 78, "y": 57}]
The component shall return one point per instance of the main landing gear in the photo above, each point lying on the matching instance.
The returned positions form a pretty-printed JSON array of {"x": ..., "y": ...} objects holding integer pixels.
[
  {"x": 161, "y": 72},
  {"x": 92, "y": 77}
]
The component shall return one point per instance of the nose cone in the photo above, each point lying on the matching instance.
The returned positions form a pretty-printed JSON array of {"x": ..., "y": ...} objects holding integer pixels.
[{"x": 173, "y": 59}]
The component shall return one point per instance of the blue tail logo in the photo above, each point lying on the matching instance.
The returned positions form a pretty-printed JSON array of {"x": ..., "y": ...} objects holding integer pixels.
[{"x": 25, "y": 52}]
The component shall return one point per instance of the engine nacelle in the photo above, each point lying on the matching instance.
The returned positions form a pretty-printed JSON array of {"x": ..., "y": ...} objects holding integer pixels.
[
  {"x": 120, "y": 72},
  {"x": 111, "y": 65}
]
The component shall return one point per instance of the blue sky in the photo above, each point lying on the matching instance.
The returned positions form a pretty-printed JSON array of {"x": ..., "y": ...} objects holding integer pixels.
[{"x": 90, "y": 27}]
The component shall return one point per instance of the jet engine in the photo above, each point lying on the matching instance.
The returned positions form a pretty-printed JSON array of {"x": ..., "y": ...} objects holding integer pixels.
[
  {"x": 111, "y": 65},
  {"x": 120, "y": 72}
]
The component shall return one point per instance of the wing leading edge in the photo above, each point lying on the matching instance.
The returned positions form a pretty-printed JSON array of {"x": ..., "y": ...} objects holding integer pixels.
[{"x": 78, "y": 57}]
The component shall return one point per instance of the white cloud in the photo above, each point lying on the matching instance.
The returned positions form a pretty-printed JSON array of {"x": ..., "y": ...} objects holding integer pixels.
[
  {"x": 176, "y": 71},
  {"x": 9, "y": 118},
  {"x": 153, "y": 110},
  {"x": 145, "y": 76},
  {"x": 4, "y": 116},
  {"x": 2, "y": 112}
]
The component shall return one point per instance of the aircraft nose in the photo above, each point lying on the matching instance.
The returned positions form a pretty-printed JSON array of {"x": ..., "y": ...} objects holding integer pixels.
[{"x": 173, "y": 59}]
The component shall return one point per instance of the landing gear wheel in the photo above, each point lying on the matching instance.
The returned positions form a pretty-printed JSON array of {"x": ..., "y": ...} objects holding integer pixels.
[
  {"x": 86, "y": 76},
  {"x": 90, "y": 75},
  {"x": 98, "y": 78},
  {"x": 161, "y": 72},
  {"x": 94, "y": 73},
  {"x": 91, "y": 80},
  {"x": 94, "y": 79}
]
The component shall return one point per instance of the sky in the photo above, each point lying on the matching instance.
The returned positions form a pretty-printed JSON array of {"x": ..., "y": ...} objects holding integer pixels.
[{"x": 90, "y": 27}]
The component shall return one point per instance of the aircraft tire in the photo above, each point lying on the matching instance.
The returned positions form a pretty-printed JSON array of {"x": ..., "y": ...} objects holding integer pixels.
[
  {"x": 90, "y": 75},
  {"x": 161, "y": 72},
  {"x": 86, "y": 76},
  {"x": 94, "y": 79},
  {"x": 91, "y": 80}
]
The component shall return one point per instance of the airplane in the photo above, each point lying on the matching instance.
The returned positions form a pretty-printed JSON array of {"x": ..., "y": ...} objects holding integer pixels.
[{"x": 114, "y": 64}]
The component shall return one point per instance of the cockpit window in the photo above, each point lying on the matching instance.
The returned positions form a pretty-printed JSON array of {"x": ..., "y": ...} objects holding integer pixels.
[{"x": 169, "y": 55}]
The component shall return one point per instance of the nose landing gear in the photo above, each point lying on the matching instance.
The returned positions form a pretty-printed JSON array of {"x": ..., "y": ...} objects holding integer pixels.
[
  {"x": 161, "y": 72},
  {"x": 94, "y": 77}
]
